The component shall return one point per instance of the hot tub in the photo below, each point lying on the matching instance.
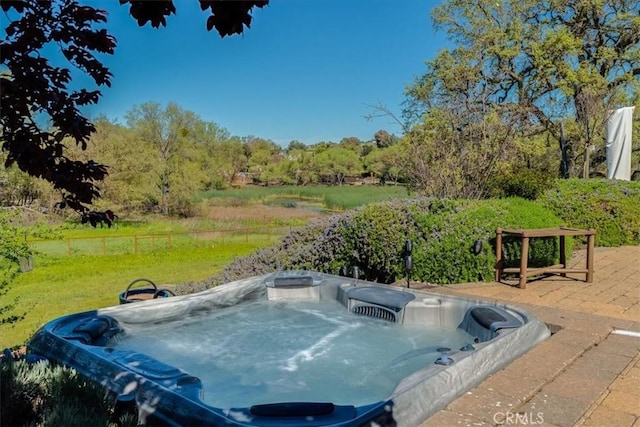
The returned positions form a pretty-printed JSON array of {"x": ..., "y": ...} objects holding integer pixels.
[{"x": 292, "y": 348}]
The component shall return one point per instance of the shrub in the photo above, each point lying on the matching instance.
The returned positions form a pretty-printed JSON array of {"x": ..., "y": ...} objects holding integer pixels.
[
  {"x": 44, "y": 394},
  {"x": 446, "y": 255},
  {"x": 612, "y": 208},
  {"x": 372, "y": 238},
  {"x": 13, "y": 251},
  {"x": 527, "y": 183}
]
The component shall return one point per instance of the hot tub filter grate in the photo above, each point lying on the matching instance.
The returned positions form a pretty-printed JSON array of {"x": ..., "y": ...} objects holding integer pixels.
[
  {"x": 376, "y": 312},
  {"x": 378, "y": 302}
]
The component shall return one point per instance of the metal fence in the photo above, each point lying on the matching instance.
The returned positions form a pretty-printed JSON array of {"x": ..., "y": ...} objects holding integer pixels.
[{"x": 145, "y": 243}]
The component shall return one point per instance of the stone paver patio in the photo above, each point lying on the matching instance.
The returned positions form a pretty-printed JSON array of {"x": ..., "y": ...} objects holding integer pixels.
[{"x": 587, "y": 373}]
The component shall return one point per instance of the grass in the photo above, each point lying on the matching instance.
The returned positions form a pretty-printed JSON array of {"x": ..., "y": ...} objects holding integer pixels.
[
  {"x": 332, "y": 197},
  {"x": 118, "y": 243},
  {"x": 64, "y": 285}
]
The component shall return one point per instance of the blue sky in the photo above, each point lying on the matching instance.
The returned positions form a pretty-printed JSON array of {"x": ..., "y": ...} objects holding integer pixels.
[{"x": 306, "y": 70}]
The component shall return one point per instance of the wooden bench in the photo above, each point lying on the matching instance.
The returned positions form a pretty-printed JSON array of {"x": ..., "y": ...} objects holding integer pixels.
[{"x": 525, "y": 235}]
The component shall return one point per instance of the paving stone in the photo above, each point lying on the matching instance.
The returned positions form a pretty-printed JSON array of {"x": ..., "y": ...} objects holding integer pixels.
[
  {"x": 546, "y": 359},
  {"x": 623, "y": 284},
  {"x": 625, "y": 402},
  {"x": 610, "y": 311},
  {"x": 585, "y": 323},
  {"x": 567, "y": 304},
  {"x": 555, "y": 296},
  {"x": 625, "y": 325},
  {"x": 577, "y": 384},
  {"x": 611, "y": 294},
  {"x": 487, "y": 292},
  {"x": 588, "y": 292},
  {"x": 602, "y": 366},
  {"x": 516, "y": 386},
  {"x": 482, "y": 403},
  {"x": 448, "y": 418},
  {"x": 624, "y": 301},
  {"x": 520, "y": 418},
  {"x": 554, "y": 409},
  {"x": 633, "y": 293},
  {"x": 550, "y": 314},
  {"x": 604, "y": 416},
  {"x": 580, "y": 339},
  {"x": 629, "y": 315},
  {"x": 598, "y": 298},
  {"x": 593, "y": 307},
  {"x": 627, "y": 383},
  {"x": 634, "y": 312},
  {"x": 526, "y": 299},
  {"x": 621, "y": 345},
  {"x": 526, "y": 375}
]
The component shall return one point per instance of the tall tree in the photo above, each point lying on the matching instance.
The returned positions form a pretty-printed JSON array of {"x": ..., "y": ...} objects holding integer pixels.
[
  {"x": 351, "y": 143},
  {"x": 387, "y": 164},
  {"x": 384, "y": 139},
  {"x": 533, "y": 64},
  {"x": 263, "y": 156},
  {"x": 303, "y": 167},
  {"x": 230, "y": 159},
  {"x": 296, "y": 145},
  {"x": 171, "y": 133},
  {"x": 223, "y": 157},
  {"x": 338, "y": 162},
  {"x": 34, "y": 91},
  {"x": 130, "y": 183}
]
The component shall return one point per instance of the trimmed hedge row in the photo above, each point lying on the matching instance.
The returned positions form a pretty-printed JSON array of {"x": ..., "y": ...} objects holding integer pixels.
[
  {"x": 373, "y": 237},
  {"x": 526, "y": 183},
  {"x": 612, "y": 208}
]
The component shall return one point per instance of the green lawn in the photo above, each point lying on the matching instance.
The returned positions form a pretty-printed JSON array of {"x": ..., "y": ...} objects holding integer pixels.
[
  {"x": 98, "y": 243},
  {"x": 70, "y": 284}
]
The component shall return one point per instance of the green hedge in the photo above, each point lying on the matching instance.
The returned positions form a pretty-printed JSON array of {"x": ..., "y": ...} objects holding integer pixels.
[
  {"x": 612, "y": 208},
  {"x": 525, "y": 183},
  {"x": 446, "y": 255},
  {"x": 372, "y": 238}
]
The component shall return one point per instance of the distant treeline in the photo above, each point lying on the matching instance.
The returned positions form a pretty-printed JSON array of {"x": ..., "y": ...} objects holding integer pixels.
[{"x": 165, "y": 155}]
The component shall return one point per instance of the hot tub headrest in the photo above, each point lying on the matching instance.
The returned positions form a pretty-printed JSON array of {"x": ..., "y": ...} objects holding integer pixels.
[
  {"x": 292, "y": 279},
  {"x": 483, "y": 322},
  {"x": 494, "y": 318},
  {"x": 389, "y": 298},
  {"x": 96, "y": 330}
]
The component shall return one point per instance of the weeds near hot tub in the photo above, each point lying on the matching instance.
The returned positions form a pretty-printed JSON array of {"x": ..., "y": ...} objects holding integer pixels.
[{"x": 42, "y": 393}]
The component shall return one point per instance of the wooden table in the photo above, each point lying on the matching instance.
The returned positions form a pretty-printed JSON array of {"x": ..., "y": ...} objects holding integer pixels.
[{"x": 526, "y": 234}]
